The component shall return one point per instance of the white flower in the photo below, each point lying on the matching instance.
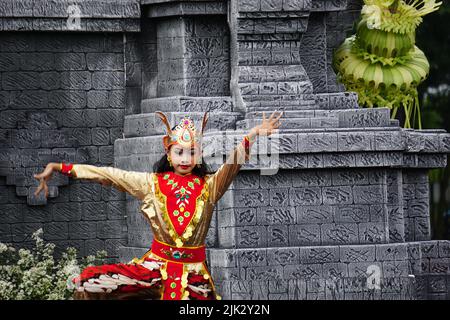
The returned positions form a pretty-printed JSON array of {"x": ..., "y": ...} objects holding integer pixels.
[
  {"x": 428, "y": 7},
  {"x": 372, "y": 14},
  {"x": 73, "y": 271},
  {"x": 3, "y": 247}
]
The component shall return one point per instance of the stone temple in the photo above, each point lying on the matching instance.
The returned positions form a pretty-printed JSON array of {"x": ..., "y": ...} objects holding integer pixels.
[{"x": 345, "y": 217}]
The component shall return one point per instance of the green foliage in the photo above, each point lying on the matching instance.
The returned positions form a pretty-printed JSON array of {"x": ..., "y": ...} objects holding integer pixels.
[{"x": 36, "y": 275}]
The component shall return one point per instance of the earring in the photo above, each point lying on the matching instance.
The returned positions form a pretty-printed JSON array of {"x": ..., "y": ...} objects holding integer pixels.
[{"x": 170, "y": 161}]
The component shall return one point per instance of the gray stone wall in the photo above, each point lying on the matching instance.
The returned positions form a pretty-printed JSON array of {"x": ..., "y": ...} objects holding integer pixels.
[
  {"x": 305, "y": 208},
  {"x": 62, "y": 98},
  {"x": 141, "y": 69}
]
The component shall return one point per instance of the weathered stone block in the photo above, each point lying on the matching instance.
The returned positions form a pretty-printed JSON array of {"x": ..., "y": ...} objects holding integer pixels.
[
  {"x": 372, "y": 233},
  {"x": 345, "y": 233},
  {"x": 275, "y": 215},
  {"x": 325, "y": 254},
  {"x": 305, "y": 196},
  {"x": 56, "y": 231},
  {"x": 82, "y": 230},
  {"x": 251, "y": 237},
  {"x": 308, "y": 234},
  {"x": 66, "y": 211},
  {"x": 351, "y": 214},
  {"x": 278, "y": 236},
  {"x": 93, "y": 210},
  {"x": 337, "y": 195},
  {"x": 252, "y": 258},
  {"x": 303, "y": 271},
  {"x": 311, "y": 178},
  {"x": 282, "y": 256},
  {"x": 369, "y": 194},
  {"x": 85, "y": 192}
]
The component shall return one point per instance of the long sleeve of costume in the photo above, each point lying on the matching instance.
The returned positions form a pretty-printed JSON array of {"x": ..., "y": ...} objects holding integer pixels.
[
  {"x": 219, "y": 182},
  {"x": 135, "y": 183}
]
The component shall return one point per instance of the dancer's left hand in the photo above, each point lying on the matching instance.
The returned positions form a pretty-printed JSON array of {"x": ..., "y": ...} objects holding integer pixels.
[{"x": 268, "y": 126}]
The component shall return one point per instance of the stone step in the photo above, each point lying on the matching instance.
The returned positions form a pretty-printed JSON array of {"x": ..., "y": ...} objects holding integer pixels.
[
  {"x": 361, "y": 118},
  {"x": 304, "y": 119},
  {"x": 276, "y": 88},
  {"x": 381, "y": 255},
  {"x": 255, "y": 107},
  {"x": 294, "y": 123},
  {"x": 184, "y": 104},
  {"x": 319, "y": 140},
  {"x": 294, "y": 235},
  {"x": 295, "y": 113},
  {"x": 269, "y": 10},
  {"x": 326, "y": 101},
  {"x": 257, "y": 25},
  {"x": 148, "y": 124},
  {"x": 395, "y": 123},
  {"x": 280, "y": 102},
  {"x": 337, "y": 100},
  {"x": 302, "y": 283},
  {"x": 294, "y": 98},
  {"x": 272, "y": 73},
  {"x": 286, "y": 114}
]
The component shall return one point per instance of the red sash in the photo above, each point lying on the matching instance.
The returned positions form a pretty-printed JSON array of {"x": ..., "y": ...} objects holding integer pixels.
[{"x": 175, "y": 258}]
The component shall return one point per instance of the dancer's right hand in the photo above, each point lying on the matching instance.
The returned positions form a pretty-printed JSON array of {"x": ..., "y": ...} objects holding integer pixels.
[{"x": 43, "y": 177}]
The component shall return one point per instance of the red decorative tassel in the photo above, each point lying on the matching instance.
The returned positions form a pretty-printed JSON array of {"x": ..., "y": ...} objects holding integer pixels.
[{"x": 66, "y": 169}]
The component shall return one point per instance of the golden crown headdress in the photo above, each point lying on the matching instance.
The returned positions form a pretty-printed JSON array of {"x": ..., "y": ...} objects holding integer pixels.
[{"x": 185, "y": 132}]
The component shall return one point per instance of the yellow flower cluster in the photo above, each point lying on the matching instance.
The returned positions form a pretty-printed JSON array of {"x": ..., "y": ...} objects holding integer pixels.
[{"x": 404, "y": 18}]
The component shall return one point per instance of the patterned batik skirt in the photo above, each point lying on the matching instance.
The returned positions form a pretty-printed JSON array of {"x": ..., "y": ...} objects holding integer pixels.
[{"x": 164, "y": 272}]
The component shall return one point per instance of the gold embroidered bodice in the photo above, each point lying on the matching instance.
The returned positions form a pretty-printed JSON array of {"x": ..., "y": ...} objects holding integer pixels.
[{"x": 178, "y": 208}]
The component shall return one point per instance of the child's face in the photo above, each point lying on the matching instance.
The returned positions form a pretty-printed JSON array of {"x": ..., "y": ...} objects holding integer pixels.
[{"x": 184, "y": 159}]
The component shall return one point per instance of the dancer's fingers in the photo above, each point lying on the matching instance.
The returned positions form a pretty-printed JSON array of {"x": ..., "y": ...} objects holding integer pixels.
[
  {"x": 46, "y": 189},
  {"x": 277, "y": 118},
  {"x": 281, "y": 113},
  {"x": 272, "y": 115},
  {"x": 38, "y": 190}
]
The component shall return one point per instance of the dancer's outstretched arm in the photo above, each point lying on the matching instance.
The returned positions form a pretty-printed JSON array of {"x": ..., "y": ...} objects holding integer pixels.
[
  {"x": 135, "y": 183},
  {"x": 219, "y": 182}
]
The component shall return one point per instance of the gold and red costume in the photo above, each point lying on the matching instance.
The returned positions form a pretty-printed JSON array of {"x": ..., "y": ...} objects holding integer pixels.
[{"x": 179, "y": 210}]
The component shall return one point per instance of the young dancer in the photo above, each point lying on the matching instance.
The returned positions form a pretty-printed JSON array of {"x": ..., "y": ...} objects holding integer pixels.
[{"x": 178, "y": 199}]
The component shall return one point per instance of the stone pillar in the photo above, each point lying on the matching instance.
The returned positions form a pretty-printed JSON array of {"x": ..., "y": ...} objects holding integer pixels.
[{"x": 266, "y": 40}]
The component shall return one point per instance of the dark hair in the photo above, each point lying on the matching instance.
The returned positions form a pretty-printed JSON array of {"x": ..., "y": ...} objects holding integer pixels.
[{"x": 162, "y": 165}]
